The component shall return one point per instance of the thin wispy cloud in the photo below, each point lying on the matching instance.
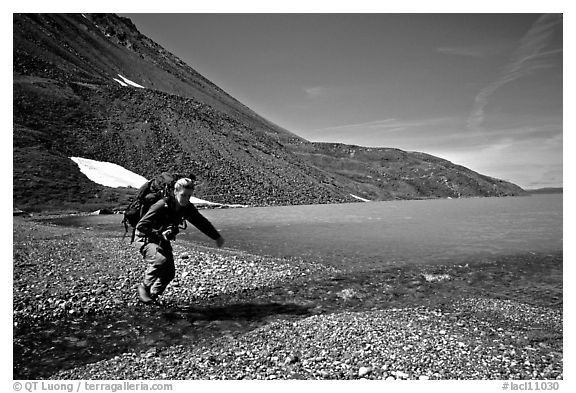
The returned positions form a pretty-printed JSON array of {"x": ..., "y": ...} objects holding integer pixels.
[
  {"x": 471, "y": 51},
  {"x": 315, "y": 92},
  {"x": 370, "y": 124},
  {"x": 438, "y": 135},
  {"x": 389, "y": 125},
  {"x": 529, "y": 57},
  {"x": 410, "y": 134}
]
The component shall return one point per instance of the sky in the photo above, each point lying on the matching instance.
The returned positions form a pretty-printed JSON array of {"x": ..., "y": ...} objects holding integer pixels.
[{"x": 481, "y": 90}]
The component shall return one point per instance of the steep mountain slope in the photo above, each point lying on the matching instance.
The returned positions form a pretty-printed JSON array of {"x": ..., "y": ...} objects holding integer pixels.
[
  {"x": 68, "y": 101},
  {"x": 95, "y": 48}
]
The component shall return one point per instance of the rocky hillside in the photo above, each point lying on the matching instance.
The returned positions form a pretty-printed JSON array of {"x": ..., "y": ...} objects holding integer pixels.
[
  {"x": 70, "y": 100},
  {"x": 386, "y": 173}
]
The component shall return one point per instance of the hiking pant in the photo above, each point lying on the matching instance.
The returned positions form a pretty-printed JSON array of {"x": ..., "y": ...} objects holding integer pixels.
[{"x": 161, "y": 269}]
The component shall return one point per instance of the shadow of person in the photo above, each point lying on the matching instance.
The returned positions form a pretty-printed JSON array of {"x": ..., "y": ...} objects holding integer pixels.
[
  {"x": 41, "y": 353},
  {"x": 234, "y": 312}
]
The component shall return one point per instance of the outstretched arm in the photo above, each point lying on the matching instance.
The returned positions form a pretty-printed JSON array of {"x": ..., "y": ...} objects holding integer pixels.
[{"x": 199, "y": 221}]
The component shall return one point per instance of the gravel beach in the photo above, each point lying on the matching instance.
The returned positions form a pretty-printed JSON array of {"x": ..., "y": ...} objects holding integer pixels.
[{"x": 234, "y": 315}]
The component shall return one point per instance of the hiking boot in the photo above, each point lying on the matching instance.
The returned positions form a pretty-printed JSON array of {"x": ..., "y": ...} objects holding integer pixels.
[{"x": 144, "y": 294}]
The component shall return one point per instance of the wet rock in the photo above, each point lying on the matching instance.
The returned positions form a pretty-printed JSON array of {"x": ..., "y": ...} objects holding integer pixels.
[
  {"x": 291, "y": 359},
  {"x": 363, "y": 371},
  {"x": 400, "y": 374}
]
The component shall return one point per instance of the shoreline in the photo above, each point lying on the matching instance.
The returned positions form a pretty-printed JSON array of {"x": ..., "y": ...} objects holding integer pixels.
[
  {"x": 54, "y": 213},
  {"x": 288, "y": 310}
]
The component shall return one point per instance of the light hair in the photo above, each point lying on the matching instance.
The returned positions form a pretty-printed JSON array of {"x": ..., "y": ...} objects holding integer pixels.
[{"x": 184, "y": 183}]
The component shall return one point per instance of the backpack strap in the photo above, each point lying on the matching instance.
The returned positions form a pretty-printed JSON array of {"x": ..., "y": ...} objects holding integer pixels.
[
  {"x": 134, "y": 228},
  {"x": 124, "y": 221}
]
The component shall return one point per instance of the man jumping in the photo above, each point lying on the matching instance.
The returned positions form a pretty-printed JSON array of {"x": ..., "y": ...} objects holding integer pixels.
[{"x": 158, "y": 227}]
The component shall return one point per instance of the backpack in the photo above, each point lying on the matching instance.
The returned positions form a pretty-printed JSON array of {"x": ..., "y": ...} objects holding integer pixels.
[{"x": 151, "y": 192}]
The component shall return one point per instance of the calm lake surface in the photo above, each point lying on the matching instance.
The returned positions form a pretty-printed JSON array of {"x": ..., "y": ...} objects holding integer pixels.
[{"x": 384, "y": 233}]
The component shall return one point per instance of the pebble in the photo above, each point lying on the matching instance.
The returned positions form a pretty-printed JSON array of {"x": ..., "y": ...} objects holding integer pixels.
[
  {"x": 291, "y": 359},
  {"x": 401, "y": 375},
  {"x": 364, "y": 371}
]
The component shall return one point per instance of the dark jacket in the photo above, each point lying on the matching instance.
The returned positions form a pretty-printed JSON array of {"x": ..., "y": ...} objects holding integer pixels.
[{"x": 165, "y": 214}]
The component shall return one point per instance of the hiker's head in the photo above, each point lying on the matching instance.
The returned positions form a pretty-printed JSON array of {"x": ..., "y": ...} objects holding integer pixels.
[{"x": 183, "y": 190}]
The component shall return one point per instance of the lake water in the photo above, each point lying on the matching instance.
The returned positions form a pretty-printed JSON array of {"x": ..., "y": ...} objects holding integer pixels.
[{"x": 385, "y": 233}]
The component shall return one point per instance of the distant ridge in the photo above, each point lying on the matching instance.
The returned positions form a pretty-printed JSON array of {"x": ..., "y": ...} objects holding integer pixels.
[{"x": 546, "y": 190}]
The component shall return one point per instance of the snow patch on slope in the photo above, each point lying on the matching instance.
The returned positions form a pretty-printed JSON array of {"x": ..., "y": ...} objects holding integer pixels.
[
  {"x": 128, "y": 82},
  {"x": 121, "y": 83},
  {"x": 108, "y": 174},
  {"x": 359, "y": 198},
  {"x": 113, "y": 175}
]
